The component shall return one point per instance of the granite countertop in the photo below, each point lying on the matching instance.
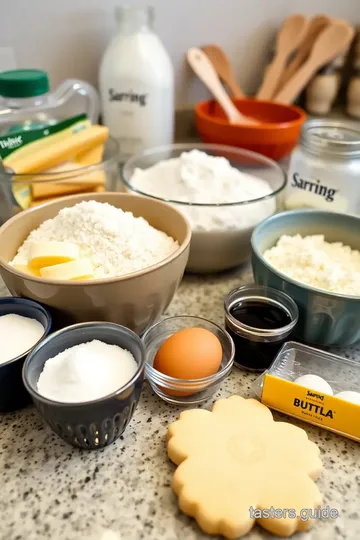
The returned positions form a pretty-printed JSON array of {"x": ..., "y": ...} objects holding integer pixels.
[{"x": 51, "y": 491}]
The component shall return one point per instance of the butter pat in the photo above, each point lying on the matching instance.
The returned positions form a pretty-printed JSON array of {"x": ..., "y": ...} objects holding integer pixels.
[
  {"x": 27, "y": 270},
  {"x": 73, "y": 270},
  {"x": 44, "y": 254}
]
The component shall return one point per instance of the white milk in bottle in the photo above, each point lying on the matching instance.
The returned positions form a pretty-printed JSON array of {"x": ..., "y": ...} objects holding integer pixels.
[{"x": 137, "y": 84}]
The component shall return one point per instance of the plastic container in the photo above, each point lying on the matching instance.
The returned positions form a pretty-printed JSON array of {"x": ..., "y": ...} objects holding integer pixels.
[
  {"x": 256, "y": 345},
  {"x": 276, "y": 388},
  {"x": 96, "y": 423},
  {"x": 275, "y": 136},
  {"x": 13, "y": 394},
  {"x": 26, "y": 101},
  {"x": 16, "y": 189},
  {"x": 196, "y": 390},
  {"x": 137, "y": 84},
  {"x": 222, "y": 246}
]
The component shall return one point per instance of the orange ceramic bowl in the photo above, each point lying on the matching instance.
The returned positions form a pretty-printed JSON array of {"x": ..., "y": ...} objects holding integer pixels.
[{"x": 275, "y": 137}]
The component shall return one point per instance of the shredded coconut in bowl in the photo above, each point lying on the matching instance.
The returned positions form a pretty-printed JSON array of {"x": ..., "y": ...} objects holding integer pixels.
[
  {"x": 333, "y": 267},
  {"x": 115, "y": 242}
]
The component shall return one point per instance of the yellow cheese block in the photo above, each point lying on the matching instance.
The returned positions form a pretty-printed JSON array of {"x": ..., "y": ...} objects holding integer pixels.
[
  {"x": 59, "y": 151},
  {"x": 44, "y": 254},
  {"x": 74, "y": 270},
  {"x": 27, "y": 270}
]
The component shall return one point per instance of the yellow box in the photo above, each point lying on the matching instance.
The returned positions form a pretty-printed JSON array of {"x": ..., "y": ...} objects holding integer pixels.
[{"x": 277, "y": 389}]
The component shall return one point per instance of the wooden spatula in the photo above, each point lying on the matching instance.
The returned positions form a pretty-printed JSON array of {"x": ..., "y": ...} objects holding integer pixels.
[
  {"x": 288, "y": 39},
  {"x": 315, "y": 27},
  {"x": 222, "y": 66},
  {"x": 332, "y": 41},
  {"x": 207, "y": 74}
]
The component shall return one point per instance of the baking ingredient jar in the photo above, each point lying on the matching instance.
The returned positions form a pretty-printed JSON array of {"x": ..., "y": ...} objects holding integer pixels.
[
  {"x": 324, "y": 169},
  {"x": 26, "y": 101},
  {"x": 137, "y": 84},
  {"x": 259, "y": 320}
]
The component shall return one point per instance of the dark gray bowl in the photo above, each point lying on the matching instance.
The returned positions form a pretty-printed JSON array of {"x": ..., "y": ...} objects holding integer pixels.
[
  {"x": 13, "y": 394},
  {"x": 97, "y": 423},
  {"x": 325, "y": 318}
]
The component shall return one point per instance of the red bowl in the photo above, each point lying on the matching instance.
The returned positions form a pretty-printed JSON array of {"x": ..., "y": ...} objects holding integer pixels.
[{"x": 274, "y": 137}]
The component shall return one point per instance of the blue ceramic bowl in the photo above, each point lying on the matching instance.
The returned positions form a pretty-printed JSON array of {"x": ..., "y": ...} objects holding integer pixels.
[
  {"x": 325, "y": 318},
  {"x": 13, "y": 394},
  {"x": 93, "y": 424}
]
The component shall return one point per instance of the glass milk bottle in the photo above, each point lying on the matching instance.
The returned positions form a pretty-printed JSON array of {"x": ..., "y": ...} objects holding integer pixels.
[{"x": 137, "y": 84}]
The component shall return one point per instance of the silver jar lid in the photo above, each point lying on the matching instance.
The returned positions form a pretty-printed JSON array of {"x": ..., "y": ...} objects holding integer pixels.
[{"x": 333, "y": 139}]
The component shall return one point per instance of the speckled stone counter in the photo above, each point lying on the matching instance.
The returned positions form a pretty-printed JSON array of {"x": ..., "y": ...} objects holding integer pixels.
[{"x": 51, "y": 491}]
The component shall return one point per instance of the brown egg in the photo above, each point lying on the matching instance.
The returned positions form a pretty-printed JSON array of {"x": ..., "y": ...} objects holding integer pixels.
[{"x": 191, "y": 353}]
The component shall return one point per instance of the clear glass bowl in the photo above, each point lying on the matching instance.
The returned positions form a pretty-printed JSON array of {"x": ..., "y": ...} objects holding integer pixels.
[
  {"x": 217, "y": 247},
  {"x": 17, "y": 191},
  {"x": 195, "y": 390}
]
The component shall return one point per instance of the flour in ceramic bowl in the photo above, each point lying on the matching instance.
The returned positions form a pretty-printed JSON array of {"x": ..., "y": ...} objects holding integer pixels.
[
  {"x": 197, "y": 177},
  {"x": 114, "y": 241},
  {"x": 331, "y": 266}
]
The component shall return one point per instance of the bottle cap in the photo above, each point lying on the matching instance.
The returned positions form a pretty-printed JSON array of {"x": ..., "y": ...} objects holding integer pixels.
[{"x": 23, "y": 83}]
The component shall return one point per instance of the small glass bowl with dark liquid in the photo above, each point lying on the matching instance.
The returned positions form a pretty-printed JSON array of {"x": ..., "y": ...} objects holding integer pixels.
[{"x": 259, "y": 319}]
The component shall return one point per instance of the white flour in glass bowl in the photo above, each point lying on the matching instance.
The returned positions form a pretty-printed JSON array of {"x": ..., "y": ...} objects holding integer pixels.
[{"x": 221, "y": 234}]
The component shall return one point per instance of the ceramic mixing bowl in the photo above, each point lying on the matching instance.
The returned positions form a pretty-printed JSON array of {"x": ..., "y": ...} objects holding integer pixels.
[
  {"x": 275, "y": 136},
  {"x": 135, "y": 300},
  {"x": 93, "y": 424},
  {"x": 218, "y": 247},
  {"x": 325, "y": 318}
]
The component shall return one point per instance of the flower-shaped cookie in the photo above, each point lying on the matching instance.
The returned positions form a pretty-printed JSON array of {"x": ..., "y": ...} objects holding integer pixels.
[{"x": 235, "y": 462}]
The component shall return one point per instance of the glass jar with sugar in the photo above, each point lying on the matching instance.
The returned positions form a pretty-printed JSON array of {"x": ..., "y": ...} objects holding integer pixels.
[{"x": 325, "y": 168}]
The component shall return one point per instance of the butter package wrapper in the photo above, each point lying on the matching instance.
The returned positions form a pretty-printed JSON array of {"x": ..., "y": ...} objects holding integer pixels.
[
  {"x": 278, "y": 388},
  {"x": 52, "y": 161}
]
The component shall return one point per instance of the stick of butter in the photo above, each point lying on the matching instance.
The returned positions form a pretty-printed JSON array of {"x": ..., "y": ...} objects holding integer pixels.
[
  {"x": 43, "y": 254},
  {"x": 73, "y": 270}
]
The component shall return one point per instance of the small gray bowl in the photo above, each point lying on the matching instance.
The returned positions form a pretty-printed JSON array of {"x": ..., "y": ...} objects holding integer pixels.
[
  {"x": 93, "y": 424},
  {"x": 325, "y": 318}
]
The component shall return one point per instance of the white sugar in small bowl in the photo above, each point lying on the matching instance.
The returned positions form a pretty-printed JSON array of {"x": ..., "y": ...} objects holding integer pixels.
[
  {"x": 13, "y": 394},
  {"x": 90, "y": 424}
]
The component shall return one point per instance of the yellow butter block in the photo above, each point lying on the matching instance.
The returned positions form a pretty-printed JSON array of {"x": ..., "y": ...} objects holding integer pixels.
[
  {"x": 90, "y": 157},
  {"x": 61, "y": 150},
  {"x": 74, "y": 270},
  {"x": 27, "y": 270},
  {"x": 43, "y": 201},
  {"x": 69, "y": 181},
  {"x": 45, "y": 254},
  {"x": 50, "y": 189}
]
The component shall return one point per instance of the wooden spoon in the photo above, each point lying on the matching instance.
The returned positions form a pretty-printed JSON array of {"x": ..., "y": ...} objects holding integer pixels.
[
  {"x": 288, "y": 39},
  {"x": 222, "y": 66},
  {"x": 332, "y": 40},
  {"x": 315, "y": 27},
  {"x": 207, "y": 74}
]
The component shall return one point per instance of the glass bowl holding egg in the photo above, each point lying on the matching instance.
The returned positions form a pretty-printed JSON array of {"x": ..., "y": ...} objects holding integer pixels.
[
  {"x": 224, "y": 192},
  {"x": 187, "y": 358}
]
